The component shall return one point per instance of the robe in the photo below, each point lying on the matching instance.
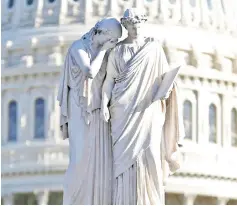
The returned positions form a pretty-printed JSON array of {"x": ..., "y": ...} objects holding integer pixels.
[
  {"x": 144, "y": 132},
  {"x": 88, "y": 177}
]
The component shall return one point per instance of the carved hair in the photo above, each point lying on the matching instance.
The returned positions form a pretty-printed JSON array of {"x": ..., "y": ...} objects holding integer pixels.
[
  {"x": 132, "y": 16},
  {"x": 110, "y": 26}
]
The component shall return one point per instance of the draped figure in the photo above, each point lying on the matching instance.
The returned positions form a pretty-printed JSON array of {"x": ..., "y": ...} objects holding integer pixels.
[
  {"x": 145, "y": 132},
  {"x": 88, "y": 177}
]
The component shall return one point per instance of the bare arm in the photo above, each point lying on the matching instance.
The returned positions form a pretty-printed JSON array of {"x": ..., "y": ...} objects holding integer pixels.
[
  {"x": 108, "y": 87},
  {"x": 88, "y": 67}
]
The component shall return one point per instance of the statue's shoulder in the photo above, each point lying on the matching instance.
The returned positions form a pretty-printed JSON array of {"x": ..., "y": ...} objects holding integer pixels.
[
  {"x": 116, "y": 48},
  {"x": 78, "y": 44}
]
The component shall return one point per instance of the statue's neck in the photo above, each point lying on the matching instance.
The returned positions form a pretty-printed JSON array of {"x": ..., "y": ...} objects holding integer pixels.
[{"x": 137, "y": 40}]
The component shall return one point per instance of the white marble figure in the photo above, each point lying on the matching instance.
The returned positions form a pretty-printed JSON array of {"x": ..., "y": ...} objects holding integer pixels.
[
  {"x": 88, "y": 177},
  {"x": 144, "y": 131}
]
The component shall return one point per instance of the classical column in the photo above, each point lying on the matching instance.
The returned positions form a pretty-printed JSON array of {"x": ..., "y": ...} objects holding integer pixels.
[
  {"x": 42, "y": 197},
  {"x": 88, "y": 11},
  {"x": 8, "y": 199},
  {"x": 163, "y": 11},
  {"x": 226, "y": 120},
  {"x": 222, "y": 201},
  {"x": 51, "y": 113},
  {"x": 204, "y": 14},
  {"x": 185, "y": 12},
  {"x": 202, "y": 115},
  {"x": 113, "y": 8},
  {"x": 39, "y": 11},
  {"x": 63, "y": 12},
  {"x": 189, "y": 199},
  {"x": 24, "y": 111}
]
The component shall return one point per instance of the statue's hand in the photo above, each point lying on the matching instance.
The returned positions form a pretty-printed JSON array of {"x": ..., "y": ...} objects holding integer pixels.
[
  {"x": 109, "y": 44},
  {"x": 104, "y": 114}
]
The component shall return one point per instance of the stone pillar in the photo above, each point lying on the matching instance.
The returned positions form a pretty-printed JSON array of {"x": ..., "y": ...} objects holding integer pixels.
[
  {"x": 163, "y": 11},
  {"x": 39, "y": 10},
  {"x": 204, "y": 14},
  {"x": 8, "y": 199},
  {"x": 185, "y": 12},
  {"x": 202, "y": 114},
  {"x": 51, "y": 113},
  {"x": 88, "y": 11},
  {"x": 113, "y": 8},
  {"x": 63, "y": 12},
  {"x": 42, "y": 197},
  {"x": 189, "y": 199},
  {"x": 226, "y": 120},
  {"x": 222, "y": 201}
]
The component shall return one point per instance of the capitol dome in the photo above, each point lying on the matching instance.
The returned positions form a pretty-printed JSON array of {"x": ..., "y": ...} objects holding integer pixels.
[{"x": 199, "y": 34}]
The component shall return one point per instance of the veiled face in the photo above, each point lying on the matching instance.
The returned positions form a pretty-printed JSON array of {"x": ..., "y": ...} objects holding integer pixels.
[
  {"x": 134, "y": 30},
  {"x": 101, "y": 37}
]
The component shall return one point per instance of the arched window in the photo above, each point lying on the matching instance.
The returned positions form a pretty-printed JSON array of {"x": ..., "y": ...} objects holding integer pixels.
[
  {"x": 12, "y": 123},
  {"x": 212, "y": 124},
  {"x": 234, "y": 127},
  {"x": 39, "y": 118},
  {"x": 209, "y": 4},
  {"x": 51, "y": 1},
  {"x": 11, "y": 3},
  {"x": 192, "y": 3},
  {"x": 187, "y": 115},
  {"x": 30, "y": 2},
  {"x": 172, "y": 1}
]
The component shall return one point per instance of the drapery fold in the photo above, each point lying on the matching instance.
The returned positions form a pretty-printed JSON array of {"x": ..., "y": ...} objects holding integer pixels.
[{"x": 141, "y": 128}]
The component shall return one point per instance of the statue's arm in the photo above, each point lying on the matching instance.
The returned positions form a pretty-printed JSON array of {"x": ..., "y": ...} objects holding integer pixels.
[
  {"x": 108, "y": 86},
  {"x": 88, "y": 67}
]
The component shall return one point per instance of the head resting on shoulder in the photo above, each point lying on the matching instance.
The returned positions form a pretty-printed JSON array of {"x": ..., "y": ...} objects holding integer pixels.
[
  {"x": 109, "y": 26},
  {"x": 105, "y": 30}
]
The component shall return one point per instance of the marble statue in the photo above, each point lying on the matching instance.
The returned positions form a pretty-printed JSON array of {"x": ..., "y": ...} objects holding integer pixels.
[
  {"x": 88, "y": 177},
  {"x": 144, "y": 131}
]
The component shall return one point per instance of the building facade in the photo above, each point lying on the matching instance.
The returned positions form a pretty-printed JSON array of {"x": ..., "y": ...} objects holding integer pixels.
[{"x": 199, "y": 34}]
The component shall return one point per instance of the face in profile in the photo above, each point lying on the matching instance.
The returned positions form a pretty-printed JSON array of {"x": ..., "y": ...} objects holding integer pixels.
[
  {"x": 134, "y": 30},
  {"x": 102, "y": 37}
]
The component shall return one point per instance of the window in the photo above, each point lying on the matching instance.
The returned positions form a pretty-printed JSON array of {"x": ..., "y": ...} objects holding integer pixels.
[
  {"x": 25, "y": 199},
  {"x": 209, "y": 4},
  {"x": 187, "y": 115},
  {"x": 12, "y": 123},
  {"x": 234, "y": 127},
  {"x": 172, "y": 1},
  {"x": 212, "y": 124},
  {"x": 192, "y": 3},
  {"x": 55, "y": 198},
  {"x": 30, "y": 2},
  {"x": 11, "y": 3},
  {"x": 51, "y": 1},
  {"x": 39, "y": 118}
]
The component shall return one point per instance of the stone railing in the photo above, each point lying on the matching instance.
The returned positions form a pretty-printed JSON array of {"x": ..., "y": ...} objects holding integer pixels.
[
  {"x": 207, "y": 161},
  {"x": 40, "y": 157},
  {"x": 208, "y": 14},
  {"x": 33, "y": 157}
]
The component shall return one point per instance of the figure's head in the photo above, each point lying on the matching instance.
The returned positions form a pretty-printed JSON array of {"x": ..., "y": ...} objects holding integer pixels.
[
  {"x": 133, "y": 20},
  {"x": 107, "y": 29}
]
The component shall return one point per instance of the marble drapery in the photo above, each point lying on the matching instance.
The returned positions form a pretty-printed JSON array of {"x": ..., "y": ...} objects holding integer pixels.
[
  {"x": 144, "y": 132},
  {"x": 88, "y": 177}
]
